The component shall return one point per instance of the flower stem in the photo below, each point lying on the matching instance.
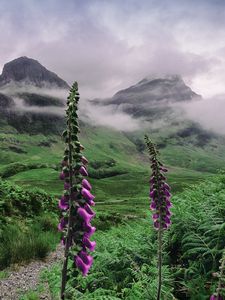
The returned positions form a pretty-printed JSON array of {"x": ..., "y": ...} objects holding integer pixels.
[
  {"x": 159, "y": 263},
  {"x": 221, "y": 275},
  {"x": 68, "y": 237}
]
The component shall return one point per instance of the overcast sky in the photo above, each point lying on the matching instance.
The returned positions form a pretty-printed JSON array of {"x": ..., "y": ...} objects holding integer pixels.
[{"x": 109, "y": 45}]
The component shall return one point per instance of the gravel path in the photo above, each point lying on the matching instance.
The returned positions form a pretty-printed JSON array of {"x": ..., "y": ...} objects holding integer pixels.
[{"x": 27, "y": 278}]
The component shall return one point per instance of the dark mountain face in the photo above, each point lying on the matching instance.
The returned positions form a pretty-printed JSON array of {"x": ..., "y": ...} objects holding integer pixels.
[
  {"x": 23, "y": 103},
  {"x": 152, "y": 98},
  {"x": 29, "y": 71},
  {"x": 6, "y": 102},
  {"x": 169, "y": 89},
  {"x": 30, "y": 110}
]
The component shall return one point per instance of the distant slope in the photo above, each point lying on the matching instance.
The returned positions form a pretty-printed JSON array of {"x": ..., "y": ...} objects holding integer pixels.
[
  {"x": 155, "y": 90},
  {"x": 30, "y": 97},
  {"x": 152, "y": 98},
  {"x": 31, "y": 148}
]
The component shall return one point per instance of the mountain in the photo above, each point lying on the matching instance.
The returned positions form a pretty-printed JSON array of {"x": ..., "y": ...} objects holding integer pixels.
[
  {"x": 25, "y": 105},
  {"x": 24, "y": 70},
  {"x": 32, "y": 97},
  {"x": 152, "y": 98},
  {"x": 167, "y": 89},
  {"x": 32, "y": 119}
]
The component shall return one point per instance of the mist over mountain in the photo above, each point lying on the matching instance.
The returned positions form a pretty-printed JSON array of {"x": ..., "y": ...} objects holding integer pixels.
[
  {"x": 167, "y": 89},
  {"x": 154, "y": 99},
  {"x": 32, "y": 99}
]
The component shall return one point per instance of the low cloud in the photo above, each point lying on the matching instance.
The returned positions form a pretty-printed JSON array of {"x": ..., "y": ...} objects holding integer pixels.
[
  {"x": 15, "y": 88},
  {"x": 108, "y": 45},
  {"x": 208, "y": 112},
  {"x": 109, "y": 116},
  {"x": 15, "y": 91},
  {"x": 20, "y": 107}
]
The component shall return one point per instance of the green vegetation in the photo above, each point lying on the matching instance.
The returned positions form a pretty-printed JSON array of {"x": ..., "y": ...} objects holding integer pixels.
[
  {"x": 125, "y": 257},
  {"x": 30, "y": 296},
  {"x": 19, "y": 244},
  {"x": 115, "y": 157},
  {"x": 17, "y": 203},
  {"x": 29, "y": 167},
  {"x": 28, "y": 224},
  {"x": 4, "y": 274}
]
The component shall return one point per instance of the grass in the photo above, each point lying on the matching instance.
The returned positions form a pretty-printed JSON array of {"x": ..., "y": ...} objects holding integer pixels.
[
  {"x": 22, "y": 244},
  {"x": 33, "y": 295},
  {"x": 126, "y": 194},
  {"x": 4, "y": 274},
  {"x": 46, "y": 179},
  {"x": 30, "y": 296},
  {"x": 125, "y": 257}
]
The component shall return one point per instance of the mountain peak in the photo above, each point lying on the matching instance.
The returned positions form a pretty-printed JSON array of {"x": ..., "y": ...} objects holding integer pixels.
[
  {"x": 168, "y": 77},
  {"x": 167, "y": 88},
  {"x": 25, "y": 70}
]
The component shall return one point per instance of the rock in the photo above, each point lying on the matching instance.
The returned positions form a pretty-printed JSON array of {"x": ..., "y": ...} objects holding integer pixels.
[
  {"x": 29, "y": 71},
  {"x": 27, "y": 278}
]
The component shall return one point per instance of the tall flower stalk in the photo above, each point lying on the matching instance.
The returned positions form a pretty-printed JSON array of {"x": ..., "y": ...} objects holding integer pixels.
[
  {"x": 221, "y": 283},
  {"x": 77, "y": 199},
  {"x": 160, "y": 202}
]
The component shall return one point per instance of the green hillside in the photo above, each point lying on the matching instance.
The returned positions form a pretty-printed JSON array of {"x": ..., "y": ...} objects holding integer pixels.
[
  {"x": 125, "y": 257},
  {"x": 118, "y": 163}
]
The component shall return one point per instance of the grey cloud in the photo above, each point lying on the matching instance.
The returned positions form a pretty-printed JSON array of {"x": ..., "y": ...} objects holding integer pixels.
[
  {"x": 208, "y": 112},
  {"x": 109, "y": 45},
  {"x": 109, "y": 116}
]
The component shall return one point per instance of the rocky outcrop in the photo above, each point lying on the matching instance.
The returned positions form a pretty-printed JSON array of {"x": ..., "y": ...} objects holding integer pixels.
[{"x": 24, "y": 70}]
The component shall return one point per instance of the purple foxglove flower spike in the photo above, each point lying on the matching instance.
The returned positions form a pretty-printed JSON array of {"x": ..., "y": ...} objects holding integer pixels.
[
  {"x": 160, "y": 202},
  {"x": 87, "y": 259},
  {"x": 89, "y": 210},
  {"x": 156, "y": 224},
  {"x": 86, "y": 184},
  {"x": 152, "y": 180},
  {"x": 63, "y": 203},
  {"x": 159, "y": 190},
  {"x": 84, "y": 160},
  {"x": 87, "y": 194},
  {"x": 153, "y": 205},
  {"x": 163, "y": 169},
  {"x": 66, "y": 185},
  {"x": 82, "y": 266},
  {"x": 77, "y": 197},
  {"x": 83, "y": 171},
  {"x": 84, "y": 215},
  {"x": 153, "y": 193},
  {"x": 155, "y": 216},
  {"x": 220, "y": 288},
  {"x": 89, "y": 244},
  {"x": 168, "y": 213},
  {"x": 168, "y": 203},
  {"x": 64, "y": 163},
  {"x": 166, "y": 192},
  {"x": 62, "y": 224},
  {"x": 62, "y": 176},
  {"x": 89, "y": 230},
  {"x": 166, "y": 186},
  {"x": 214, "y": 297},
  {"x": 91, "y": 202}
]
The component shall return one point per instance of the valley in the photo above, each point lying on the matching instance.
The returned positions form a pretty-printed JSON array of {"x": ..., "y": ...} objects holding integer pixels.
[{"x": 32, "y": 110}]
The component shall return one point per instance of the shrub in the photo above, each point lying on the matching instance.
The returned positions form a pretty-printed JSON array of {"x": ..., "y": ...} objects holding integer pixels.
[
  {"x": 17, "y": 202},
  {"x": 17, "y": 167},
  {"x": 21, "y": 245}
]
